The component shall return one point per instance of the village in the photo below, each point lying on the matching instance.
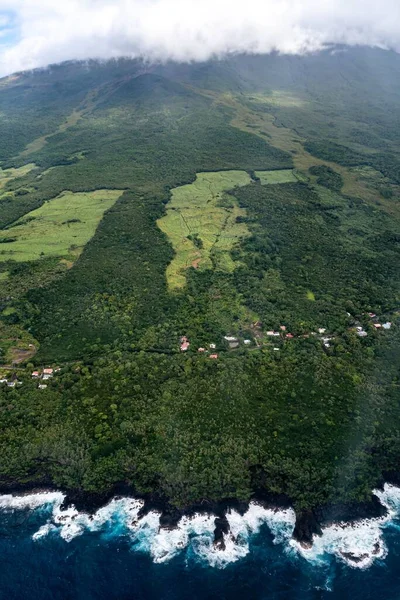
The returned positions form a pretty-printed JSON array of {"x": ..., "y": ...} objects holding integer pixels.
[
  {"x": 262, "y": 339},
  {"x": 41, "y": 376}
]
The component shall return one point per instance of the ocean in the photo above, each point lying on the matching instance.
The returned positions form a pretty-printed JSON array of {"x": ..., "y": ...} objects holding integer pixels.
[{"x": 47, "y": 553}]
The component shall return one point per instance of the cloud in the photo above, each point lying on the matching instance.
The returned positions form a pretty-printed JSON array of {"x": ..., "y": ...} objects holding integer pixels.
[{"x": 50, "y": 31}]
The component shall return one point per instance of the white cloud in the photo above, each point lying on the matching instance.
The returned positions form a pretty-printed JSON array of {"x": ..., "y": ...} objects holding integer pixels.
[{"x": 51, "y": 31}]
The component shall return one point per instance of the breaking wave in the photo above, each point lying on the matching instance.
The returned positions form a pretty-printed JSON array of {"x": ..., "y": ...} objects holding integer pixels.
[{"x": 357, "y": 544}]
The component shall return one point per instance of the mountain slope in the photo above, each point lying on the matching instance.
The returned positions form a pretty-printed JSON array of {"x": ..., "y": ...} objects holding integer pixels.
[{"x": 301, "y": 397}]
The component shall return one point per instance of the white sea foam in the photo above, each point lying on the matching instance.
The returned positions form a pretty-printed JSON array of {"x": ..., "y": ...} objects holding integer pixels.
[
  {"x": 358, "y": 544},
  {"x": 242, "y": 527},
  {"x": 30, "y": 501}
]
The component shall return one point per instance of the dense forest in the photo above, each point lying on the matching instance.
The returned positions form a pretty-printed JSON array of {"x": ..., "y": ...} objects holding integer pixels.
[{"x": 302, "y": 395}]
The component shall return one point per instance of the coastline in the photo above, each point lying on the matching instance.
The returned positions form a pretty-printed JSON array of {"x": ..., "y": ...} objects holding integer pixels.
[{"x": 309, "y": 523}]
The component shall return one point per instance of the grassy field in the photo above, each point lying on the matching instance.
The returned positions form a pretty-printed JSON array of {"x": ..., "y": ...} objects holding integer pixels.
[
  {"x": 201, "y": 224},
  {"x": 61, "y": 227},
  {"x": 9, "y": 174},
  {"x": 248, "y": 117},
  {"x": 17, "y": 345},
  {"x": 278, "y": 176}
]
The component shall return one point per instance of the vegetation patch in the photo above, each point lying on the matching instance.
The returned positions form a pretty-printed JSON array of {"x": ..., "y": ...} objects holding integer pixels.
[
  {"x": 278, "y": 176},
  {"x": 16, "y": 345},
  {"x": 327, "y": 177},
  {"x": 202, "y": 224},
  {"x": 10, "y": 174},
  {"x": 61, "y": 227}
]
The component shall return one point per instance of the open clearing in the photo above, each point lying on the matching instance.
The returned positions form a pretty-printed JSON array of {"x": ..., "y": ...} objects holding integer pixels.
[
  {"x": 278, "y": 176},
  {"x": 9, "y": 174},
  {"x": 200, "y": 223},
  {"x": 61, "y": 227}
]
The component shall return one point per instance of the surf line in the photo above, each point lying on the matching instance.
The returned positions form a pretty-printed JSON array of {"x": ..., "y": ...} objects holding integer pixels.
[{"x": 217, "y": 540}]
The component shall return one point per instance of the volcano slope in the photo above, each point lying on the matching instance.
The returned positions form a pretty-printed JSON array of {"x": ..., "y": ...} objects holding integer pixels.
[{"x": 306, "y": 150}]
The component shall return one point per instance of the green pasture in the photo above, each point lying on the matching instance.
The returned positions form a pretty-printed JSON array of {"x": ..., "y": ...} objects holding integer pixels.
[
  {"x": 278, "y": 176},
  {"x": 204, "y": 210},
  {"x": 7, "y": 175},
  {"x": 60, "y": 227}
]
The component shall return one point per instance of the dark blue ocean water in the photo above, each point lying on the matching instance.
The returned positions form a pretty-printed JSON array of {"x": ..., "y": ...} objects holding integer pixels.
[{"x": 106, "y": 565}]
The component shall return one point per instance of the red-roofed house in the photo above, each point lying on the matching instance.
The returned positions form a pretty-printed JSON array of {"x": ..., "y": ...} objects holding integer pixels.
[{"x": 213, "y": 356}]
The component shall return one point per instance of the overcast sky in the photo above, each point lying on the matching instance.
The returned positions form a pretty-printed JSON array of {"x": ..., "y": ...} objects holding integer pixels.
[{"x": 34, "y": 33}]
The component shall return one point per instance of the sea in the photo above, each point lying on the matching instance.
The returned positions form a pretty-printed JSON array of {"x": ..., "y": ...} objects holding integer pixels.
[{"x": 48, "y": 553}]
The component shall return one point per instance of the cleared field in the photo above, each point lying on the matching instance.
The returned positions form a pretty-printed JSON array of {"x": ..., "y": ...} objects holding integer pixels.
[
  {"x": 9, "y": 174},
  {"x": 279, "y": 176},
  {"x": 61, "y": 227},
  {"x": 201, "y": 224}
]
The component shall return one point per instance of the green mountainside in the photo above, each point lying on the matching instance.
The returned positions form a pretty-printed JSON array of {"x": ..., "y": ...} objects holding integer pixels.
[{"x": 209, "y": 256}]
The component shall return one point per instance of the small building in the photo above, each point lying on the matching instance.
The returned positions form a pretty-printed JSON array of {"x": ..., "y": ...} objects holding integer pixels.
[
  {"x": 233, "y": 345},
  {"x": 321, "y": 330},
  {"x": 201, "y": 350},
  {"x": 48, "y": 372},
  {"x": 372, "y": 315},
  {"x": 362, "y": 333},
  {"x": 42, "y": 386},
  {"x": 35, "y": 374},
  {"x": 282, "y": 327},
  {"x": 377, "y": 325},
  {"x": 230, "y": 338},
  {"x": 272, "y": 333},
  {"x": 387, "y": 325},
  {"x": 289, "y": 336},
  {"x": 213, "y": 356},
  {"x": 46, "y": 376},
  {"x": 11, "y": 384},
  {"x": 3, "y": 380},
  {"x": 247, "y": 342},
  {"x": 212, "y": 346},
  {"x": 184, "y": 344}
]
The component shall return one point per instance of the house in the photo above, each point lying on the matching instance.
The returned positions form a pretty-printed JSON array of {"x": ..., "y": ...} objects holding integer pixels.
[
  {"x": 35, "y": 374},
  {"x": 321, "y": 330},
  {"x": 48, "y": 372},
  {"x": 230, "y": 338},
  {"x": 282, "y": 327},
  {"x": 214, "y": 356},
  {"x": 359, "y": 328},
  {"x": 387, "y": 325},
  {"x": 276, "y": 349},
  {"x": 289, "y": 336},
  {"x": 42, "y": 386},
  {"x": 362, "y": 333},
  {"x": 272, "y": 333},
  {"x": 212, "y": 346},
  {"x": 46, "y": 376},
  {"x": 201, "y": 350},
  {"x": 377, "y": 325},
  {"x": 3, "y": 381},
  {"x": 11, "y": 383},
  {"x": 372, "y": 315},
  {"x": 184, "y": 343},
  {"x": 233, "y": 345},
  {"x": 247, "y": 342}
]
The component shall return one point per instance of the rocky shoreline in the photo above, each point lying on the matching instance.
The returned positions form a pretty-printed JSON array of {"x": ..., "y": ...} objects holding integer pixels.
[{"x": 309, "y": 523}]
